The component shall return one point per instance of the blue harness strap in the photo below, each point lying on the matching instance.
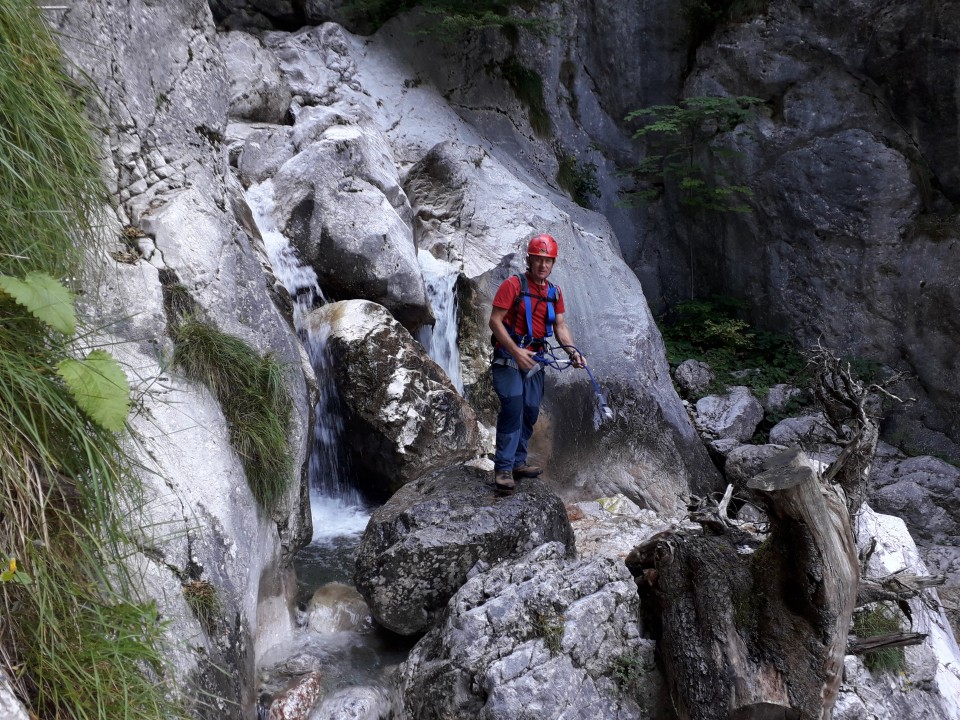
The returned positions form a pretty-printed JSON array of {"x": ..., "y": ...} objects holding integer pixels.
[{"x": 528, "y": 307}]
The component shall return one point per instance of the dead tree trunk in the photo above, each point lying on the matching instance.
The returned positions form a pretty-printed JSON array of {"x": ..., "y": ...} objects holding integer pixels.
[{"x": 758, "y": 635}]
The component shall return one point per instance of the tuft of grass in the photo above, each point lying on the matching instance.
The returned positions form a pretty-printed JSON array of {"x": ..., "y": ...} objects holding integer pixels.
[
  {"x": 50, "y": 186},
  {"x": 548, "y": 625},
  {"x": 629, "y": 672},
  {"x": 205, "y": 603},
  {"x": 75, "y": 638},
  {"x": 880, "y": 619},
  {"x": 254, "y": 398}
]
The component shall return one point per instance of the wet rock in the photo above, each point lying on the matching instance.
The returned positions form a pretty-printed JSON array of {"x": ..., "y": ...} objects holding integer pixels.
[
  {"x": 419, "y": 547},
  {"x": 404, "y": 417},
  {"x": 297, "y": 701},
  {"x": 357, "y": 702},
  {"x": 336, "y": 607},
  {"x": 735, "y": 414},
  {"x": 539, "y": 636}
]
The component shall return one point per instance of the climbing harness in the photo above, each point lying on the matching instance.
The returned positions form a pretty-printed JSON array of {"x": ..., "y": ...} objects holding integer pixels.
[{"x": 544, "y": 352}]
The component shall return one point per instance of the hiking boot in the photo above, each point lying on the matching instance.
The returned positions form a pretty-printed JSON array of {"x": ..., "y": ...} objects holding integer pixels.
[
  {"x": 527, "y": 471},
  {"x": 503, "y": 480}
]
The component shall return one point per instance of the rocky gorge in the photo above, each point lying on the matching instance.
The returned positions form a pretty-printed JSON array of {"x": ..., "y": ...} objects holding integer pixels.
[{"x": 230, "y": 126}]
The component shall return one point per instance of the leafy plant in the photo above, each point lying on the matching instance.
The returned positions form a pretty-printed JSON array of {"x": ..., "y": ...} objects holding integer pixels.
[
  {"x": 676, "y": 136},
  {"x": 629, "y": 672},
  {"x": 879, "y": 619},
  {"x": 580, "y": 180},
  {"x": 711, "y": 332},
  {"x": 254, "y": 398}
]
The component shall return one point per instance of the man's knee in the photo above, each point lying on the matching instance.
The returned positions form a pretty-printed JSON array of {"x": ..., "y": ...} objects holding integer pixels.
[{"x": 511, "y": 413}]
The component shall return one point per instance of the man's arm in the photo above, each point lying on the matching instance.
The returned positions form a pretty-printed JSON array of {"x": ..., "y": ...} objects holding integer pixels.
[
  {"x": 523, "y": 357},
  {"x": 565, "y": 337}
]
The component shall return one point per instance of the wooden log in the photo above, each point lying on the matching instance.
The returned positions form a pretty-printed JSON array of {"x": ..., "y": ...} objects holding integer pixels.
[
  {"x": 896, "y": 587},
  {"x": 859, "y": 646},
  {"x": 757, "y": 634}
]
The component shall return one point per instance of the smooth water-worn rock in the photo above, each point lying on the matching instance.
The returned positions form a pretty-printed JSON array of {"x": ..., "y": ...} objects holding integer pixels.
[
  {"x": 297, "y": 701},
  {"x": 10, "y": 707},
  {"x": 404, "y": 416},
  {"x": 419, "y": 547},
  {"x": 736, "y": 414},
  {"x": 539, "y": 637}
]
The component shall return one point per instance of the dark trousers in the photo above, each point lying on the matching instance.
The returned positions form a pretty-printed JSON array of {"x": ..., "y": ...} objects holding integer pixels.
[{"x": 519, "y": 408}]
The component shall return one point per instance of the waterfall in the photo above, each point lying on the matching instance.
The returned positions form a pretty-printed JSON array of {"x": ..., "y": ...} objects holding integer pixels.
[
  {"x": 336, "y": 507},
  {"x": 440, "y": 341}
]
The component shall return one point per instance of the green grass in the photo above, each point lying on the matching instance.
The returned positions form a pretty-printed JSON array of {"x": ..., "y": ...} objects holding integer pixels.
[
  {"x": 880, "y": 619},
  {"x": 528, "y": 87},
  {"x": 253, "y": 396},
  {"x": 578, "y": 179},
  {"x": 75, "y": 638}
]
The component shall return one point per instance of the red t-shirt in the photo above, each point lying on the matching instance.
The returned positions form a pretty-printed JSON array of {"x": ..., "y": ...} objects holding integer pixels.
[{"x": 516, "y": 316}]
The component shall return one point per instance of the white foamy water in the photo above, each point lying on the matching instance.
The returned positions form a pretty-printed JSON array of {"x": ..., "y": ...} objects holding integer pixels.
[
  {"x": 440, "y": 341},
  {"x": 334, "y": 518},
  {"x": 328, "y": 466}
]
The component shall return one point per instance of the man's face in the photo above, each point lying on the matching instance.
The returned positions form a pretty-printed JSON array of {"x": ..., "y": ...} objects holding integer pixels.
[{"x": 540, "y": 267}]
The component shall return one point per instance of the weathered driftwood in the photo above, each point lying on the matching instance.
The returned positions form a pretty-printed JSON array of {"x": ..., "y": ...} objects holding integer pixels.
[
  {"x": 896, "y": 587},
  {"x": 859, "y": 646},
  {"x": 762, "y": 634}
]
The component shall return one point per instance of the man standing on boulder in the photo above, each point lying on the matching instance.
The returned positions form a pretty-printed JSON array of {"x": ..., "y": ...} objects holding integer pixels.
[{"x": 527, "y": 310}]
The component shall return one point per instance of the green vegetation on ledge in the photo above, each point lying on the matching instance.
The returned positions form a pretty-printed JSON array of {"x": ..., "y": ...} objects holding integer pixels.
[
  {"x": 451, "y": 18},
  {"x": 254, "y": 398},
  {"x": 711, "y": 332},
  {"x": 880, "y": 619},
  {"x": 76, "y": 640}
]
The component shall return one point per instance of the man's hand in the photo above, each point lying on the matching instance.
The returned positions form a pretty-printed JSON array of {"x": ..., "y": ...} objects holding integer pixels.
[
  {"x": 525, "y": 359},
  {"x": 577, "y": 360}
]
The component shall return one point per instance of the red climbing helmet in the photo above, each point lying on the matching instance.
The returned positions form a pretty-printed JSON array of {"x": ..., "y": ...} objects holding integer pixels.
[{"x": 543, "y": 245}]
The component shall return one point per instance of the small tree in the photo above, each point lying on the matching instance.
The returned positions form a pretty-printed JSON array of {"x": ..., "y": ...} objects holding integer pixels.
[{"x": 675, "y": 136}]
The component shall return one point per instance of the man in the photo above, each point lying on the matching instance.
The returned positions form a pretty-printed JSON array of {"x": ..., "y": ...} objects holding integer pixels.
[{"x": 526, "y": 310}]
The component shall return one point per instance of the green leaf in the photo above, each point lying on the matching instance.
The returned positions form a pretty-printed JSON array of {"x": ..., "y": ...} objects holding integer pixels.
[
  {"x": 22, "y": 578},
  {"x": 45, "y": 298},
  {"x": 99, "y": 386},
  {"x": 6, "y": 575}
]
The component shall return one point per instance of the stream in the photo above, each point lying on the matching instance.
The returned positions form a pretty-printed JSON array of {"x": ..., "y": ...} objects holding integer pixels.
[{"x": 335, "y": 637}]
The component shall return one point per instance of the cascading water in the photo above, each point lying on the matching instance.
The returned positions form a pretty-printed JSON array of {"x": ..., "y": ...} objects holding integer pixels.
[
  {"x": 440, "y": 341},
  {"x": 338, "y": 638}
]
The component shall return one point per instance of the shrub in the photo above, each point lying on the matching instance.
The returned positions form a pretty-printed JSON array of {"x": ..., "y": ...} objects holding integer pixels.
[
  {"x": 710, "y": 331},
  {"x": 528, "y": 87},
  {"x": 254, "y": 399}
]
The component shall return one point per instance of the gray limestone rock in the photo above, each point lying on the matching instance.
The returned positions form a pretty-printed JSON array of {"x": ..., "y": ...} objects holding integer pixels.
[
  {"x": 340, "y": 202},
  {"x": 10, "y": 707},
  {"x": 748, "y": 460},
  {"x": 263, "y": 152},
  {"x": 735, "y": 414},
  {"x": 419, "y": 547},
  {"x": 807, "y": 431},
  {"x": 693, "y": 377},
  {"x": 257, "y": 90},
  {"x": 539, "y": 637},
  {"x": 404, "y": 417},
  {"x": 924, "y": 491},
  {"x": 779, "y": 396}
]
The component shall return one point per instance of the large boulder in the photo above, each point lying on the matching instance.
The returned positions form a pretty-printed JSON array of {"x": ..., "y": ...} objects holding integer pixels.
[
  {"x": 419, "y": 547},
  {"x": 257, "y": 90},
  {"x": 403, "y": 415},
  {"x": 541, "y": 636}
]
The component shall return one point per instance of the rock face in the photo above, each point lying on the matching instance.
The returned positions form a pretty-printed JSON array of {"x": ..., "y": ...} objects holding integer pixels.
[
  {"x": 159, "y": 72},
  {"x": 540, "y": 637},
  {"x": 404, "y": 417},
  {"x": 934, "y": 689},
  {"x": 419, "y": 547},
  {"x": 853, "y": 236}
]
